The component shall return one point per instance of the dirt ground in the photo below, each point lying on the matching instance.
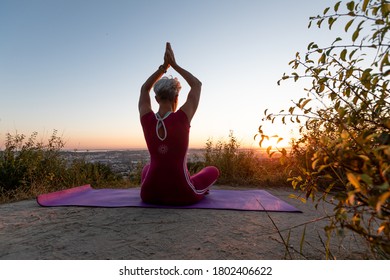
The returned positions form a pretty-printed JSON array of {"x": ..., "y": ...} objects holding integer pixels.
[{"x": 28, "y": 231}]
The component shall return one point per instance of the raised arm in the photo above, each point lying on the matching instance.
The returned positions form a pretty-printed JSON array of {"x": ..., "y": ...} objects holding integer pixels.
[
  {"x": 191, "y": 104},
  {"x": 144, "y": 104}
]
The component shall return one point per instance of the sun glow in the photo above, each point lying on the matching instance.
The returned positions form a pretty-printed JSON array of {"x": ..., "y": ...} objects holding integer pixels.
[{"x": 273, "y": 143}]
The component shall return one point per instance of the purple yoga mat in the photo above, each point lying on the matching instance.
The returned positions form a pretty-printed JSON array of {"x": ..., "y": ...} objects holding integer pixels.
[{"x": 250, "y": 200}]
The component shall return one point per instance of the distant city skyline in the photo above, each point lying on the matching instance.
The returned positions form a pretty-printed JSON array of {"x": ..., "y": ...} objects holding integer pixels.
[{"x": 77, "y": 66}]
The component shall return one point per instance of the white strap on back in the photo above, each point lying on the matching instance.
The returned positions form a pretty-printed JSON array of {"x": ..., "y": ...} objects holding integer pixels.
[{"x": 160, "y": 123}]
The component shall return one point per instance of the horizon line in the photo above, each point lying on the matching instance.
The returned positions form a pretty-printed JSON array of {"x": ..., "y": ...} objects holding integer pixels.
[{"x": 146, "y": 149}]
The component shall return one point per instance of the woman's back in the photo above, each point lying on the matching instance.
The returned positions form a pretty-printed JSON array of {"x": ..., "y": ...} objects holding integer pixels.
[
  {"x": 167, "y": 180},
  {"x": 175, "y": 138}
]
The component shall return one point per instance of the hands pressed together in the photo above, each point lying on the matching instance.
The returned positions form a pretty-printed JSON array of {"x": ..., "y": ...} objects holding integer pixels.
[{"x": 169, "y": 57}]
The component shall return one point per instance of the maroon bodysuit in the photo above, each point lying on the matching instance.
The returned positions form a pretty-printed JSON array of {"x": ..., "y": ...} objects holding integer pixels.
[{"x": 166, "y": 180}]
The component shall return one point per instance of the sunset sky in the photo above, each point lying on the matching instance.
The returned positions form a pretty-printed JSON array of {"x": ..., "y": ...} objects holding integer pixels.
[{"x": 77, "y": 66}]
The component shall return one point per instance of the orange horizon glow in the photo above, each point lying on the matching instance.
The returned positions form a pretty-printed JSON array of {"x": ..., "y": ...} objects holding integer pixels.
[
  {"x": 106, "y": 138},
  {"x": 138, "y": 143}
]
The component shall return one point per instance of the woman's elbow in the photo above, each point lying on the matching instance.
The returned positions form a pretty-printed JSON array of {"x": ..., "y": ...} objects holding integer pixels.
[
  {"x": 197, "y": 84},
  {"x": 143, "y": 88}
]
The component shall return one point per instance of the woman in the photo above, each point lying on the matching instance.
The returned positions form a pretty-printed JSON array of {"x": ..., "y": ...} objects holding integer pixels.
[{"x": 166, "y": 179}]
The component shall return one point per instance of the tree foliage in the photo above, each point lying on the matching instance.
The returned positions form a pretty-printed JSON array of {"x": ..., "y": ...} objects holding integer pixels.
[{"x": 344, "y": 120}]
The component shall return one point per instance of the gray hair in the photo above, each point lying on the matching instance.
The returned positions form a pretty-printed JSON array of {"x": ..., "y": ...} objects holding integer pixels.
[{"x": 167, "y": 88}]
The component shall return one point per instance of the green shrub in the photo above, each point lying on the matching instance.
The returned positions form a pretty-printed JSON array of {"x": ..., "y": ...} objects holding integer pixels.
[
  {"x": 135, "y": 174},
  {"x": 24, "y": 163},
  {"x": 97, "y": 174},
  {"x": 29, "y": 167},
  {"x": 243, "y": 167}
]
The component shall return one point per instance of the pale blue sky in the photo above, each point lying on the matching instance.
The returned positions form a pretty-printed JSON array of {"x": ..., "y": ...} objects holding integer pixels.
[{"x": 77, "y": 65}]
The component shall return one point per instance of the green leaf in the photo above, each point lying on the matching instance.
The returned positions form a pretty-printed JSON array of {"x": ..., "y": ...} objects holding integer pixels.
[
  {"x": 354, "y": 180},
  {"x": 335, "y": 41},
  {"x": 329, "y": 51},
  {"x": 367, "y": 179},
  {"x": 352, "y": 53},
  {"x": 331, "y": 20},
  {"x": 343, "y": 54},
  {"x": 322, "y": 58},
  {"x": 348, "y": 90},
  {"x": 360, "y": 24},
  {"x": 379, "y": 21},
  {"x": 326, "y": 10},
  {"x": 365, "y": 3},
  {"x": 351, "y": 5},
  {"x": 355, "y": 100},
  {"x": 337, "y": 105},
  {"x": 321, "y": 88},
  {"x": 355, "y": 34},
  {"x": 385, "y": 9},
  {"x": 375, "y": 11},
  {"x": 341, "y": 76},
  {"x": 319, "y": 23},
  {"x": 365, "y": 78},
  {"x": 348, "y": 25},
  {"x": 336, "y": 6}
]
